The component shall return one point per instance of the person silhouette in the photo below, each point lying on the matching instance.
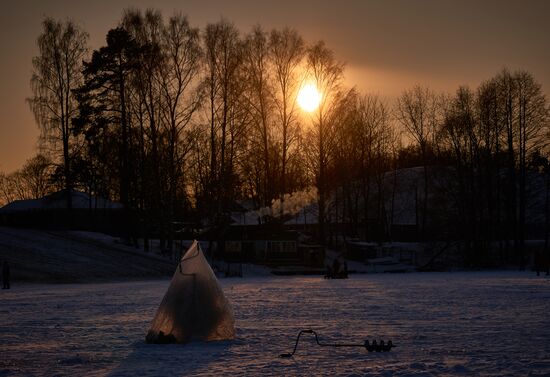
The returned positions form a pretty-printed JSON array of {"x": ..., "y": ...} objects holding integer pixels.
[
  {"x": 329, "y": 272},
  {"x": 541, "y": 263},
  {"x": 5, "y": 275},
  {"x": 345, "y": 272}
]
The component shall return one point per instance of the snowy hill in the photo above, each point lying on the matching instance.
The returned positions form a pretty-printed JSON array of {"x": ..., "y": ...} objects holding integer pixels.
[
  {"x": 402, "y": 192},
  {"x": 36, "y": 255}
]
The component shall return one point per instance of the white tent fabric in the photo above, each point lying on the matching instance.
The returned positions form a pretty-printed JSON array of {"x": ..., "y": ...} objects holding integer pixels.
[{"x": 194, "y": 307}]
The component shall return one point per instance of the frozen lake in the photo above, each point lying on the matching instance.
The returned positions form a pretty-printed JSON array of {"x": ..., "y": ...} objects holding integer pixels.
[{"x": 474, "y": 323}]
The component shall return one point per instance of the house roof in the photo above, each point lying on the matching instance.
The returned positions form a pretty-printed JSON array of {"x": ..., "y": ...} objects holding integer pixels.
[{"x": 58, "y": 200}]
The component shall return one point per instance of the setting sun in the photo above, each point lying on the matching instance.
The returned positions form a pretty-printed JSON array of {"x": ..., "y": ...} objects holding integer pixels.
[{"x": 309, "y": 97}]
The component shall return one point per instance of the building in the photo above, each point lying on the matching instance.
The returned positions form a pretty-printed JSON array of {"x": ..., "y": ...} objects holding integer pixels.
[{"x": 51, "y": 212}]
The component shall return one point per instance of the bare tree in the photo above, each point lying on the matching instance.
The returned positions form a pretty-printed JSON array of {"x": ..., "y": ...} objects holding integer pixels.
[
  {"x": 32, "y": 181},
  {"x": 287, "y": 52},
  {"x": 373, "y": 134},
  {"x": 146, "y": 29},
  {"x": 56, "y": 73},
  {"x": 37, "y": 173},
  {"x": 259, "y": 96},
  {"x": 417, "y": 111},
  {"x": 460, "y": 131},
  {"x": 180, "y": 46},
  {"x": 532, "y": 129},
  {"x": 523, "y": 113},
  {"x": 490, "y": 132},
  {"x": 7, "y": 194},
  {"x": 327, "y": 73},
  {"x": 223, "y": 85},
  {"x": 365, "y": 137}
]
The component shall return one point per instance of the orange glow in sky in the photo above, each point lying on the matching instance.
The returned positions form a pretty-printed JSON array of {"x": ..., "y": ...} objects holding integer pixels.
[{"x": 387, "y": 46}]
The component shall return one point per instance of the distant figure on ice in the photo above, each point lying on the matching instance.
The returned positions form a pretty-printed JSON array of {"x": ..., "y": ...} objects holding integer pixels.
[
  {"x": 336, "y": 271},
  {"x": 541, "y": 263},
  {"x": 5, "y": 275},
  {"x": 345, "y": 272},
  {"x": 329, "y": 272}
]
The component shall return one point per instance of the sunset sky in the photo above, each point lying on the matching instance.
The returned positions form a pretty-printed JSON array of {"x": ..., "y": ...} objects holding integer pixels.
[{"x": 388, "y": 46}]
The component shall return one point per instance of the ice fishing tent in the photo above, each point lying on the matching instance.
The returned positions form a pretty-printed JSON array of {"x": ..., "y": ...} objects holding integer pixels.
[{"x": 194, "y": 307}]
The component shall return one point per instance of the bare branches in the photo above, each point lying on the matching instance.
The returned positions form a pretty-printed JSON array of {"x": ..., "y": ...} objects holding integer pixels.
[{"x": 57, "y": 72}]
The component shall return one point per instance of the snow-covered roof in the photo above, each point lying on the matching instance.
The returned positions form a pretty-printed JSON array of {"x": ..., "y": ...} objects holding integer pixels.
[
  {"x": 308, "y": 215},
  {"x": 245, "y": 218},
  {"x": 58, "y": 200}
]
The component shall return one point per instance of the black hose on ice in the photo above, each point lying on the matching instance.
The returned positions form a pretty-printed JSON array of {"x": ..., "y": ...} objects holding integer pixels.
[{"x": 371, "y": 347}]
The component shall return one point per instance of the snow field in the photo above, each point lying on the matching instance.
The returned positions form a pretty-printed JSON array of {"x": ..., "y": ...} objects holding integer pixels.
[{"x": 463, "y": 323}]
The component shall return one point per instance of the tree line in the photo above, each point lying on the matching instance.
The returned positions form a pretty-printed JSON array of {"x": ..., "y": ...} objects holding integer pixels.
[{"x": 180, "y": 123}]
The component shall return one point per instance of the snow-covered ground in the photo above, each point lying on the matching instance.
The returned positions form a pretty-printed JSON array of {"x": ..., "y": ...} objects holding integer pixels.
[
  {"x": 68, "y": 256},
  {"x": 466, "y": 323}
]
